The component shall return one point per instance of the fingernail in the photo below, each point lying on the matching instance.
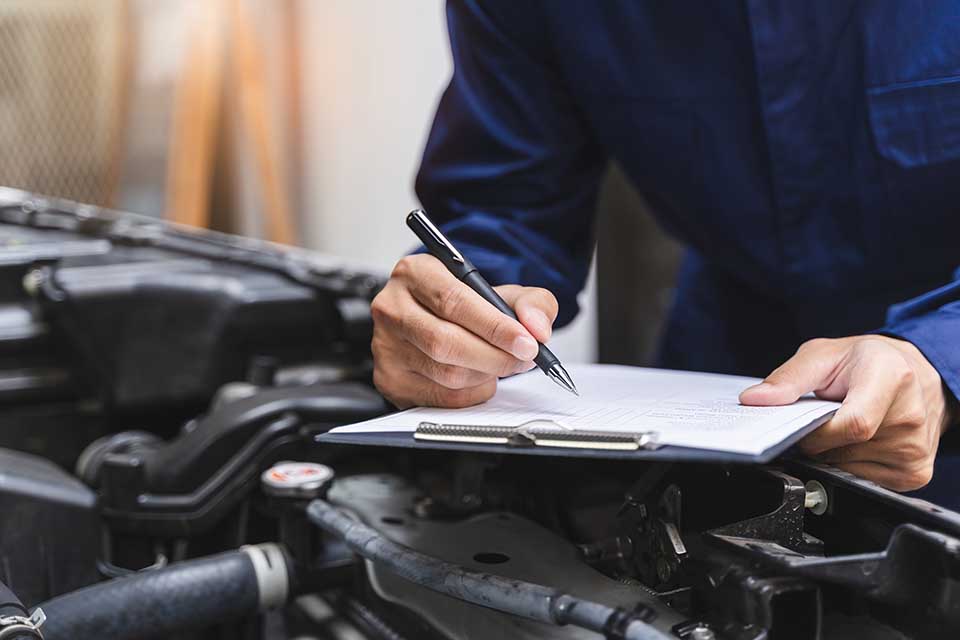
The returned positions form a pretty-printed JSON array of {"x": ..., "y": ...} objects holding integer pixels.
[{"x": 525, "y": 348}]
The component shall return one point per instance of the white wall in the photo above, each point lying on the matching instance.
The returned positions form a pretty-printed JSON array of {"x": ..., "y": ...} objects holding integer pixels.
[{"x": 373, "y": 72}]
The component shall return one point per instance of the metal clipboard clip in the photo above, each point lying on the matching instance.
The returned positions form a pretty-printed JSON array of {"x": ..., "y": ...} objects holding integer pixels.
[{"x": 538, "y": 433}]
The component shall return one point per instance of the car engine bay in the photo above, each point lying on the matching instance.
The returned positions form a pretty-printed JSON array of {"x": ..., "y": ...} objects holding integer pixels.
[{"x": 164, "y": 393}]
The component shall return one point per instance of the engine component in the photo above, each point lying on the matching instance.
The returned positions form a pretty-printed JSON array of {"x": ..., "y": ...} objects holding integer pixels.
[
  {"x": 186, "y": 596},
  {"x": 107, "y": 315},
  {"x": 50, "y": 533},
  {"x": 186, "y": 485},
  {"x": 200, "y": 359},
  {"x": 302, "y": 480},
  {"x": 517, "y": 597}
]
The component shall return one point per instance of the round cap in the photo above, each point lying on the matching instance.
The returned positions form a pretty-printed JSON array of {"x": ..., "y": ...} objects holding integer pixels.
[{"x": 297, "y": 479}]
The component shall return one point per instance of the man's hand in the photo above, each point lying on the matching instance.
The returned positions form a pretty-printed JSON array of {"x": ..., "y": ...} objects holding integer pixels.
[
  {"x": 436, "y": 342},
  {"x": 893, "y": 413}
]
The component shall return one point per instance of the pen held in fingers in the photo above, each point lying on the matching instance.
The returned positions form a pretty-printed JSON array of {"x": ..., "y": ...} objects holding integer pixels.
[{"x": 442, "y": 249}]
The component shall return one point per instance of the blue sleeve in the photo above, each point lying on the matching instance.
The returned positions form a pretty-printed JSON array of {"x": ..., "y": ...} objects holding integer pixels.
[
  {"x": 510, "y": 171},
  {"x": 932, "y": 323}
]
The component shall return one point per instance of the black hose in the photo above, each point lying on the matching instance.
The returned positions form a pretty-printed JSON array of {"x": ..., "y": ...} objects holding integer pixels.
[
  {"x": 185, "y": 596},
  {"x": 525, "y": 599}
]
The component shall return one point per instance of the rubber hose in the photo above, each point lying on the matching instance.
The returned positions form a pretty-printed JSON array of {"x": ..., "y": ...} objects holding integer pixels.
[{"x": 185, "y": 596}]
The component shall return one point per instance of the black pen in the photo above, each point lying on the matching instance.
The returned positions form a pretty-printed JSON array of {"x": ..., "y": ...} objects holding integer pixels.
[{"x": 441, "y": 249}]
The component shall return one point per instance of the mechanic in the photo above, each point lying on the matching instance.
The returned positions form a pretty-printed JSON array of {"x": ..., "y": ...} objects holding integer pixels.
[{"x": 808, "y": 154}]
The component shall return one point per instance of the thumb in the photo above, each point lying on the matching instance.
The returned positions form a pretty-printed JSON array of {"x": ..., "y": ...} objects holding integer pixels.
[
  {"x": 536, "y": 308},
  {"x": 810, "y": 368}
]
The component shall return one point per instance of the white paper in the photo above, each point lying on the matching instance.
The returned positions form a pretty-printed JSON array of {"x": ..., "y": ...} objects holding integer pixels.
[{"x": 699, "y": 410}]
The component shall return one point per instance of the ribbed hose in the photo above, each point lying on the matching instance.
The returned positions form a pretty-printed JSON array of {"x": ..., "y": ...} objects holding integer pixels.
[
  {"x": 184, "y": 596},
  {"x": 525, "y": 599}
]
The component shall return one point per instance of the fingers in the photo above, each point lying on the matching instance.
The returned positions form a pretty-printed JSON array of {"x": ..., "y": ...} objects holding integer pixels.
[
  {"x": 886, "y": 430},
  {"x": 410, "y": 389},
  {"x": 442, "y": 341},
  {"x": 812, "y": 368},
  {"x": 880, "y": 391},
  {"x": 449, "y": 376},
  {"x": 438, "y": 343},
  {"x": 537, "y": 308},
  {"x": 446, "y": 297},
  {"x": 903, "y": 447}
]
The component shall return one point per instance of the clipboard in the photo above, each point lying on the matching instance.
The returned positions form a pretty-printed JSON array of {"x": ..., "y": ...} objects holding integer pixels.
[{"x": 556, "y": 441}]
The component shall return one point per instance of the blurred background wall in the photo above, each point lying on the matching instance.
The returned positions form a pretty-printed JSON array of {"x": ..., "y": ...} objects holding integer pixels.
[
  {"x": 373, "y": 73},
  {"x": 299, "y": 121}
]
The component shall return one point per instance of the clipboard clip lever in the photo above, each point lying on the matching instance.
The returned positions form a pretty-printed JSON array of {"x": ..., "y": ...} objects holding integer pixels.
[{"x": 538, "y": 433}]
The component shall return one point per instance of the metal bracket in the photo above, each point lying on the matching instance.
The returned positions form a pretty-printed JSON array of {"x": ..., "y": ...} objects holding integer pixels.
[
  {"x": 783, "y": 525},
  {"x": 14, "y": 626}
]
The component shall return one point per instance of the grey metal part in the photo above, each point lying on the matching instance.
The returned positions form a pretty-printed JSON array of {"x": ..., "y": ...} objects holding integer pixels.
[
  {"x": 532, "y": 553},
  {"x": 784, "y": 525}
]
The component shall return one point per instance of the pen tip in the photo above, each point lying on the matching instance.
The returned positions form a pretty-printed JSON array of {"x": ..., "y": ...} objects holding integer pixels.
[{"x": 559, "y": 375}]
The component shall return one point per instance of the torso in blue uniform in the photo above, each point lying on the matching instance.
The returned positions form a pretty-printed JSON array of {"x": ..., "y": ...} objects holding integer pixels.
[{"x": 807, "y": 152}]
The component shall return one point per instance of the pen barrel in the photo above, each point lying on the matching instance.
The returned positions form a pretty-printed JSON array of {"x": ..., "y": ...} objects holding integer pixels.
[
  {"x": 545, "y": 358},
  {"x": 475, "y": 281},
  {"x": 441, "y": 248}
]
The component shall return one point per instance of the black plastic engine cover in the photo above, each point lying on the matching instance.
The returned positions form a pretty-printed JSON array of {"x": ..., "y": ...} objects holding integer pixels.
[
  {"x": 151, "y": 332},
  {"x": 112, "y": 321}
]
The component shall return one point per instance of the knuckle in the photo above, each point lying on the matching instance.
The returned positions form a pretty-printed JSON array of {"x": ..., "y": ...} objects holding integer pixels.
[
  {"x": 905, "y": 375},
  {"x": 449, "y": 300},
  {"x": 859, "y": 427},
  {"x": 383, "y": 308},
  {"x": 877, "y": 347},
  {"x": 915, "y": 478},
  {"x": 871, "y": 342},
  {"x": 404, "y": 268},
  {"x": 439, "y": 345},
  {"x": 816, "y": 344},
  {"x": 379, "y": 308},
  {"x": 915, "y": 417}
]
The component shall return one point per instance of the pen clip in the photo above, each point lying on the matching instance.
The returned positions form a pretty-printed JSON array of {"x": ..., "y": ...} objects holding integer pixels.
[{"x": 438, "y": 237}]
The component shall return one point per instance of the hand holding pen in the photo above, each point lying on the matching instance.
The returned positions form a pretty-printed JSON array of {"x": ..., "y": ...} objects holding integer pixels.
[{"x": 437, "y": 342}]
